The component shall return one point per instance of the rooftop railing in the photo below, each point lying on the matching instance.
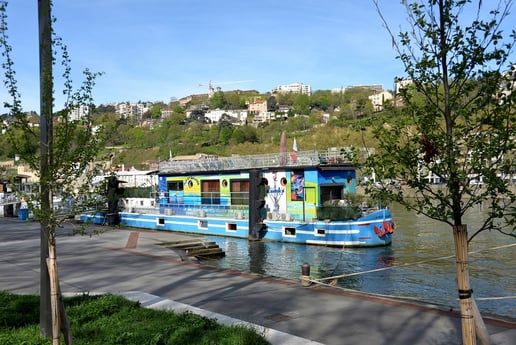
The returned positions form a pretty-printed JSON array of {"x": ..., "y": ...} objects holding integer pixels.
[{"x": 267, "y": 161}]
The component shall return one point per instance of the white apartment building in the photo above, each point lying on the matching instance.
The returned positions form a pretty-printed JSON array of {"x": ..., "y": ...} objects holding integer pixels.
[
  {"x": 79, "y": 112},
  {"x": 215, "y": 115},
  {"x": 264, "y": 116},
  {"x": 166, "y": 113},
  {"x": 293, "y": 88},
  {"x": 127, "y": 109},
  {"x": 402, "y": 83}
]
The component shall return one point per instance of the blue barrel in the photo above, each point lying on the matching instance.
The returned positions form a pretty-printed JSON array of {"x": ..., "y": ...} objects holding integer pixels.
[{"x": 23, "y": 213}]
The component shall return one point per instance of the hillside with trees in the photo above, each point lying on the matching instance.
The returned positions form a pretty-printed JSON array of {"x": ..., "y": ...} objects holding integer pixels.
[{"x": 319, "y": 121}]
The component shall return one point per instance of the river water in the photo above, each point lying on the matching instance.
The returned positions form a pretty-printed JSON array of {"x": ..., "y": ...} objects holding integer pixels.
[{"x": 420, "y": 264}]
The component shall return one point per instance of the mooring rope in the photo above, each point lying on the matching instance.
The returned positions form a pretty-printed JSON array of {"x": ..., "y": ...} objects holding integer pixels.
[
  {"x": 334, "y": 278},
  {"x": 398, "y": 296},
  {"x": 409, "y": 264},
  {"x": 494, "y": 298}
]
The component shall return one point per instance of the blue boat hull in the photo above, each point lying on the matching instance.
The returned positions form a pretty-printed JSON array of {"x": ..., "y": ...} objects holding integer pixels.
[{"x": 374, "y": 229}]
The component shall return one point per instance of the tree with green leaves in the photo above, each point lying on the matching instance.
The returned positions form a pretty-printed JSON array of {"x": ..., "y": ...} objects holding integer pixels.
[
  {"x": 66, "y": 149},
  {"x": 302, "y": 104},
  {"x": 218, "y": 100},
  {"x": 456, "y": 122}
]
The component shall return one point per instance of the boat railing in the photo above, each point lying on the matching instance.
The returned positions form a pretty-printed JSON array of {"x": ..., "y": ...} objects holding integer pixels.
[
  {"x": 272, "y": 160},
  {"x": 203, "y": 210}
]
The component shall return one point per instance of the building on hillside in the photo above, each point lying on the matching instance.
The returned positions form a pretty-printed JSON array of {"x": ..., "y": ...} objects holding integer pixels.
[
  {"x": 378, "y": 99},
  {"x": 338, "y": 90},
  {"x": 399, "y": 85},
  {"x": 264, "y": 116},
  {"x": 136, "y": 110},
  {"x": 183, "y": 102},
  {"x": 402, "y": 83},
  {"x": 257, "y": 106},
  {"x": 215, "y": 115},
  {"x": 293, "y": 88},
  {"x": 123, "y": 109},
  {"x": 373, "y": 87},
  {"x": 25, "y": 170},
  {"x": 283, "y": 109},
  {"x": 21, "y": 169},
  {"x": 79, "y": 112},
  {"x": 166, "y": 113}
]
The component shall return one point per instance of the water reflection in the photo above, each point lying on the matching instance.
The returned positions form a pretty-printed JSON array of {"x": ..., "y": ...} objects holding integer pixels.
[
  {"x": 421, "y": 257},
  {"x": 257, "y": 257}
]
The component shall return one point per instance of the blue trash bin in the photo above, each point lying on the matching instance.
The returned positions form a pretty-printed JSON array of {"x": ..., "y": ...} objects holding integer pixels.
[{"x": 23, "y": 213}]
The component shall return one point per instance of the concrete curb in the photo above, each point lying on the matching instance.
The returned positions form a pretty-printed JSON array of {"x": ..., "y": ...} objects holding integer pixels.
[{"x": 155, "y": 302}]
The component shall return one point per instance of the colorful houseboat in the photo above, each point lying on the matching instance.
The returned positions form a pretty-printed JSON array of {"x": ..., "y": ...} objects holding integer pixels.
[{"x": 301, "y": 197}]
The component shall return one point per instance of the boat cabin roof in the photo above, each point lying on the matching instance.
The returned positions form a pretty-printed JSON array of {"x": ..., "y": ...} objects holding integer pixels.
[{"x": 281, "y": 160}]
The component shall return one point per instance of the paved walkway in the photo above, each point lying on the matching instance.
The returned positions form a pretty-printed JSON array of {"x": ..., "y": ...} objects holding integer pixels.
[{"x": 131, "y": 263}]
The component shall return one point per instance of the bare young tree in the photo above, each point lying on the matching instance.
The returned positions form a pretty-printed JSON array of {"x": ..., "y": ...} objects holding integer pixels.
[{"x": 454, "y": 121}]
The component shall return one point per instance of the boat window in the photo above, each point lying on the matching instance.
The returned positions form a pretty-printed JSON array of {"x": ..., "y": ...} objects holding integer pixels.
[
  {"x": 239, "y": 192},
  {"x": 210, "y": 192},
  {"x": 332, "y": 192},
  {"x": 160, "y": 221},
  {"x": 289, "y": 231},
  {"x": 231, "y": 227},
  {"x": 320, "y": 232},
  {"x": 175, "y": 186}
]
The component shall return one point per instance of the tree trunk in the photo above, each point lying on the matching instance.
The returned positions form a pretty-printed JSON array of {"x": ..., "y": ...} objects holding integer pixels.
[
  {"x": 46, "y": 93},
  {"x": 460, "y": 235},
  {"x": 54, "y": 292},
  {"x": 45, "y": 321},
  {"x": 60, "y": 322}
]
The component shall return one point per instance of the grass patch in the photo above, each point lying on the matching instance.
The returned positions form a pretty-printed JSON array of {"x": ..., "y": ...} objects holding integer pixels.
[{"x": 110, "y": 320}]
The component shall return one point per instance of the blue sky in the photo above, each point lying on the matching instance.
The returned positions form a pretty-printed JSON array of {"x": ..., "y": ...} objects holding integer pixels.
[{"x": 154, "y": 50}]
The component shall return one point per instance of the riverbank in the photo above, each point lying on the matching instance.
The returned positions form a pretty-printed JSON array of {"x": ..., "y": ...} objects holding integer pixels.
[{"x": 127, "y": 260}]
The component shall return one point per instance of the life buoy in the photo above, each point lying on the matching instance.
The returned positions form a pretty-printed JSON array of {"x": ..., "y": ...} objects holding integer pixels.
[
  {"x": 387, "y": 227},
  {"x": 380, "y": 232}
]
